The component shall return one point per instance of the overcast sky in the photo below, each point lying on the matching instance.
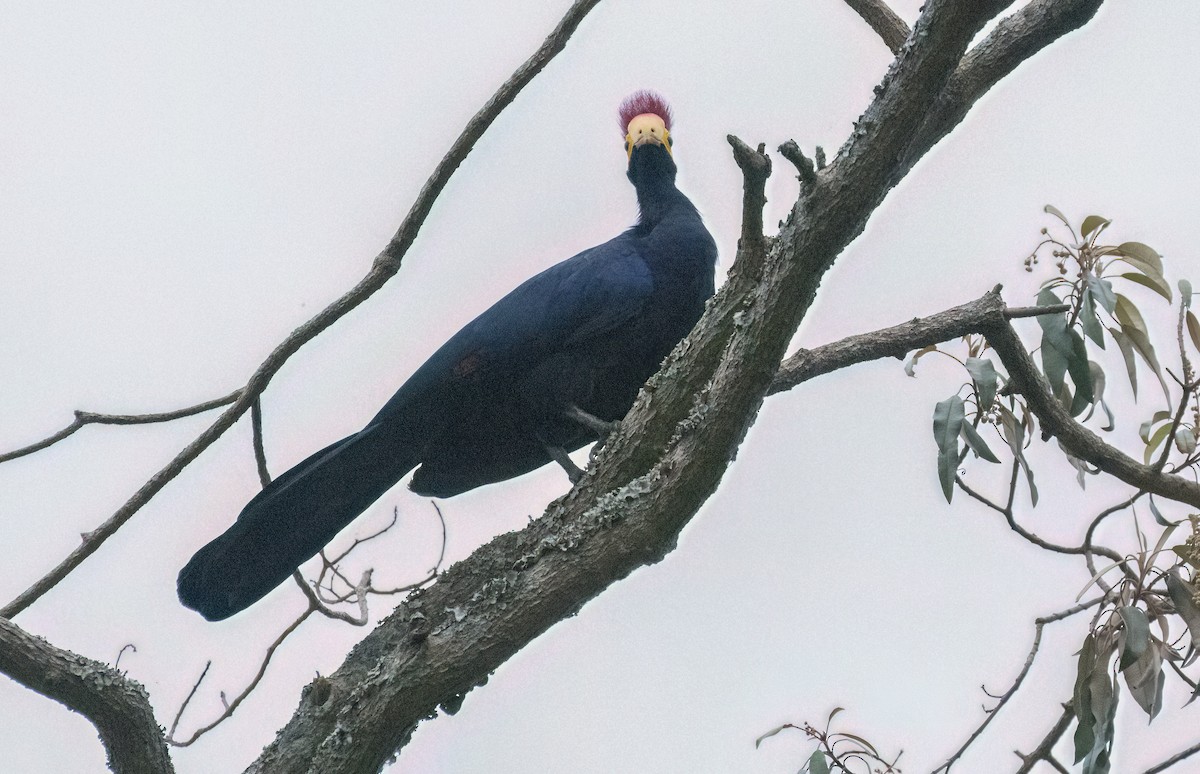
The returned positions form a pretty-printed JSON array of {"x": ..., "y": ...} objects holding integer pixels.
[{"x": 180, "y": 187}]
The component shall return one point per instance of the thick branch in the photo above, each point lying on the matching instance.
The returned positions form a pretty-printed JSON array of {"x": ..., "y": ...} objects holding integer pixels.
[
  {"x": 897, "y": 341},
  {"x": 386, "y": 264},
  {"x": 1075, "y": 438},
  {"x": 886, "y": 23},
  {"x": 1014, "y": 40},
  {"x": 118, "y": 706},
  {"x": 651, "y": 476},
  {"x": 989, "y": 317}
]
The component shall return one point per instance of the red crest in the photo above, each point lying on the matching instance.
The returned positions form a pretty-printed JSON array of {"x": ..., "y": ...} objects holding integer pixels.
[{"x": 640, "y": 102}]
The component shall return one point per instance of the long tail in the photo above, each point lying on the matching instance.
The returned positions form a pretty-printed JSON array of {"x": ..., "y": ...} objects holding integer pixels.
[{"x": 290, "y": 520}]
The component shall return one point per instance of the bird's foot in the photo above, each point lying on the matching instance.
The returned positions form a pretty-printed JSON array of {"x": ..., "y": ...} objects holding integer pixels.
[
  {"x": 601, "y": 427},
  {"x": 559, "y": 455}
]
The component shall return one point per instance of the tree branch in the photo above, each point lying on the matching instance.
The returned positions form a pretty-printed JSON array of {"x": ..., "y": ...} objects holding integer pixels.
[
  {"x": 1043, "y": 752},
  {"x": 1176, "y": 758},
  {"x": 117, "y": 706},
  {"x": 653, "y": 473},
  {"x": 886, "y": 23},
  {"x": 385, "y": 266},
  {"x": 1039, "y": 624},
  {"x": 1075, "y": 438},
  {"x": 88, "y": 418},
  {"x": 1014, "y": 40}
]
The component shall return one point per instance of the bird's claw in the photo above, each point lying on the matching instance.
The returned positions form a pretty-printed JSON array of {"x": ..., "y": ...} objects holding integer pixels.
[{"x": 602, "y": 428}]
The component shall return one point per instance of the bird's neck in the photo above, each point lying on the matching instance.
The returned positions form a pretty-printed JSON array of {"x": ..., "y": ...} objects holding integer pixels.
[{"x": 656, "y": 197}]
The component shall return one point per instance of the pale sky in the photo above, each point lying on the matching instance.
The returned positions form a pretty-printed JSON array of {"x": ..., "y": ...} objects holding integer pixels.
[{"x": 181, "y": 187}]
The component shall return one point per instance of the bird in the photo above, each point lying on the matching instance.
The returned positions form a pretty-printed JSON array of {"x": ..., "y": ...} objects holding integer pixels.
[{"x": 550, "y": 367}]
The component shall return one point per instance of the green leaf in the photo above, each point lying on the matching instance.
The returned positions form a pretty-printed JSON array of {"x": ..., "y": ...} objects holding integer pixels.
[
  {"x": 1050, "y": 208},
  {"x": 865, "y": 744},
  {"x": 1128, "y": 315},
  {"x": 771, "y": 733},
  {"x": 976, "y": 443},
  {"x": 1126, "y": 352},
  {"x": 1090, "y": 321},
  {"x": 984, "y": 375},
  {"x": 1144, "y": 678},
  {"x": 1142, "y": 253},
  {"x": 1185, "y": 440},
  {"x": 1157, "y": 284},
  {"x": 912, "y": 361},
  {"x": 1155, "y": 441},
  {"x": 1085, "y": 736},
  {"x": 1081, "y": 373},
  {"x": 1193, "y": 326},
  {"x": 1149, "y": 695},
  {"x": 1134, "y": 327},
  {"x": 817, "y": 764},
  {"x": 1033, "y": 492},
  {"x": 1091, "y": 223},
  {"x": 1063, "y": 351},
  {"x": 1137, "y": 634},
  {"x": 947, "y": 423},
  {"x": 1104, "y": 697},
  {"x": 1103, "y": 706},
  {"x": 1183, "y": 597},
  {"x": 1103, "y": 292},
  {"x": 1098, "y": 383},
  {"x": 1014, "y": 436},
  {"x": 1185, "y": 292},
  {"x": 1056, "y": 344},
  {"x": 1158, "y": 517}
]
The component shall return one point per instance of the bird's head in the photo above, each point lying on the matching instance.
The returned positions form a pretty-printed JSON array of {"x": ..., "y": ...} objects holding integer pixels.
[{"x": 646, "y": 120}]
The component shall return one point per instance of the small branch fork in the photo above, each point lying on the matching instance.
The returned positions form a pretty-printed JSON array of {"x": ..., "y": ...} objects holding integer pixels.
[
  {"x": 83, "y": 418},
  {"x": 117, "y": 706},
  {"x": 320, "y": 595},
  {"x": 1039, "y": 624}
]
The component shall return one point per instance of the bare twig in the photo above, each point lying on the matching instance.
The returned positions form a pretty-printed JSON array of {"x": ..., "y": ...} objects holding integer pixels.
[
  {"x": 127, "y": 646},
  {"x": 1016, "y": 312},
  {"x": 256, "y": 435},
  {"x": 1003, "y": 698},
  {"x": 384, "y": 267},
  {"x": 1088, "y": 550},
  {"x": 1176, "y": 758},
  {"x": 1043, "y": 752},
  {"x": 1031, "y": 537},
  {"x": 232, "y": 706},
  {"x": 188, "y": 699},
  {"x": 83, "y": 418}
]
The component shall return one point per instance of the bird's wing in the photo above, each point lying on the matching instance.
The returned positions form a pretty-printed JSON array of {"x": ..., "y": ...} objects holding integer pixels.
[{"x": 567, "y": 304}]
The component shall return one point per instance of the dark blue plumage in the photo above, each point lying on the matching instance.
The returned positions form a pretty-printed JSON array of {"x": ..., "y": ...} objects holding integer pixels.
[{"x": 490, "y": 403}]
